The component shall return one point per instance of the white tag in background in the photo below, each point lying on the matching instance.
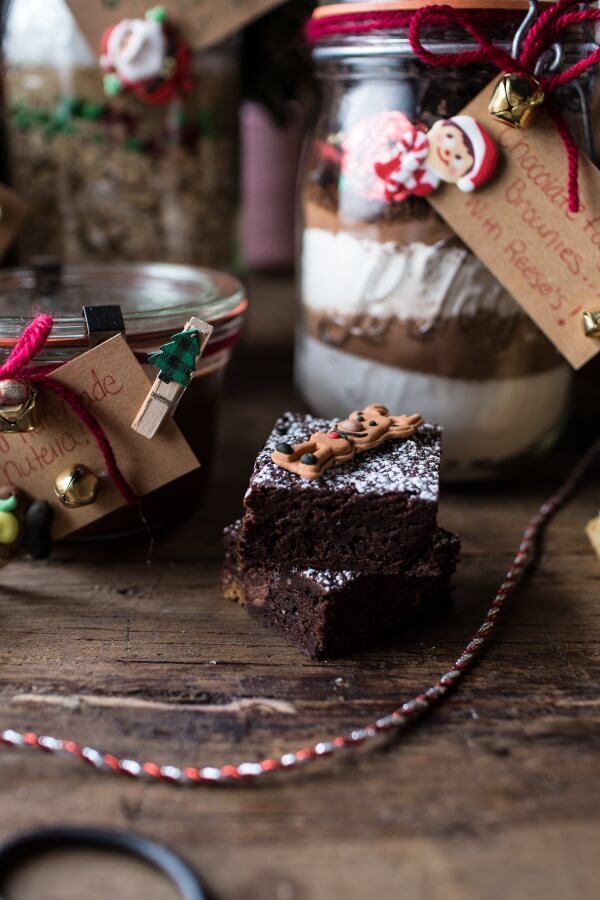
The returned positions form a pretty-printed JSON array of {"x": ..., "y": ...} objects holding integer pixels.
[{"x": 200, "y": 22}]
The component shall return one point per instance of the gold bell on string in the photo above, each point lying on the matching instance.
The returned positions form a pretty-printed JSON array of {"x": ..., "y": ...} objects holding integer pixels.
[
  {"x": 515, "y": 99},
  {"x": 591, "y": 323},
  {"x": 76, "y": 486},
  {"x": 18, "y": 410}
]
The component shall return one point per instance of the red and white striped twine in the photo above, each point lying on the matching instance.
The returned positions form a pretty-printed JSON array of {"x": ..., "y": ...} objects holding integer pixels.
[{"x": 408, "y": 712}]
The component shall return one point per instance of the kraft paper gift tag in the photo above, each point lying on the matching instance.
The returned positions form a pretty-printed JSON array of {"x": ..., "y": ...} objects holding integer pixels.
[
  {"x": 113, "y": 386},
  {"x": 520, "y": 226},
  {"x": 202, "y": 22}
]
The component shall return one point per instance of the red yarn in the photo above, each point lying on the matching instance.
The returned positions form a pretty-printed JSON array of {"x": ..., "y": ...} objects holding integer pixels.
[
  {"x": 572, "y": 157},
  {"x": 445, "y": 17},
  {"x": 547, "y": 28},
  {"x": 30, "y": 343},
  {"x": 377, "y": 20},
  {"x": 91, "y": 423}
]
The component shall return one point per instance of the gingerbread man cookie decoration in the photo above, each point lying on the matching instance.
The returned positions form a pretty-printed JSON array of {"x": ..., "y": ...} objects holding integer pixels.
[{"x": 364, "y": 429}]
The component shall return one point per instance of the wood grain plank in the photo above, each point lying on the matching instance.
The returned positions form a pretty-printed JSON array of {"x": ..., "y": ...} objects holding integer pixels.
[{"x": 495, "y": 795}]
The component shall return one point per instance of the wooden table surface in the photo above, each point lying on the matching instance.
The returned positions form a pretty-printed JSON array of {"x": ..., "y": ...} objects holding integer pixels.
[{"x": 496, "y": 795}]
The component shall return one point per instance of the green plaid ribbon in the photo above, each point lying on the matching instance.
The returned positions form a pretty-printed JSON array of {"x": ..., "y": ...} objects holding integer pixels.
[{"x": 177, "y": 359}]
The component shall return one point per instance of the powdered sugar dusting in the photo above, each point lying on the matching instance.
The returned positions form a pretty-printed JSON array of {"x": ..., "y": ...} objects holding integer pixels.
[
  {"x": 436, "y": 564},
  {"x": 328, "y": 579},
  {"x": 408, "y": 466}
]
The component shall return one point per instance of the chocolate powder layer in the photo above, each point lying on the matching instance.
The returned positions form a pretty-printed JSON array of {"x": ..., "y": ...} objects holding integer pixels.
[
  {"x": 472, "y": 347},
  {"x": 412, "y": 221}
]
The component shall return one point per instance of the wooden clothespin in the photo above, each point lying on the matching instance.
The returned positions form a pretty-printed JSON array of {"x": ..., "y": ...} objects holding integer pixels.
[{"x": 177, "y": 363}]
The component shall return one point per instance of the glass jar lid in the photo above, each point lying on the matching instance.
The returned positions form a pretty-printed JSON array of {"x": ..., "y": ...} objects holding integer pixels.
[
  {"x": 156, "y": 299},
  {"x": 332, "y": 9},
  {"x": 502, "y": 19}
]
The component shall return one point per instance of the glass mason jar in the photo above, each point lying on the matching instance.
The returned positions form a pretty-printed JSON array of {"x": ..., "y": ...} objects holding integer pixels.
[
  {"x": 156, "y": 301},
  {"x": 113, "y": 179},
  {"x": 395, "y": 308}
]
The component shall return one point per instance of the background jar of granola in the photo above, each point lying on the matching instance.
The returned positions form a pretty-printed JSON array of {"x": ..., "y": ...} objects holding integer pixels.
[
  {"x": 395, "y": 308},
  {"x": 114, "y": 178}
]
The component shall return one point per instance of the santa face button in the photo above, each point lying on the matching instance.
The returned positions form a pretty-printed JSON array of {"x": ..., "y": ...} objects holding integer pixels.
[
  {"x": 456, "y": 151},
  {"x": 145, "y": 57},
  {"x": 461, "y": 152}
]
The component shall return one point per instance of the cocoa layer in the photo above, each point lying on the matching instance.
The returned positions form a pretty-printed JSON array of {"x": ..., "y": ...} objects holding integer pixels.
[
  {"x": 476, "y": 347},
  {"x": 409, "y": 222}
]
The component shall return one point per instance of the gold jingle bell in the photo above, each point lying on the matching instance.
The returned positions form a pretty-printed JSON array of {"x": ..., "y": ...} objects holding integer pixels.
[
  {"x": 591, "y": 323},
  {"x": 18, "y": 411},
  {"x": 515, "y": 99},
  {"x": 76, "y": 486}
]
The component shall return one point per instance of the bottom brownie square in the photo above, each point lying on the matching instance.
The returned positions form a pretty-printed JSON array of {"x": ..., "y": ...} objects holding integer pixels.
[{"x": 327, "y": 613}]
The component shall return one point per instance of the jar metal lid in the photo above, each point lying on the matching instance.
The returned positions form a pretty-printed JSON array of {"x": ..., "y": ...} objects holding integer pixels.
[
  {"x": 393, "y": 43},
  {"x": 334, "y": 9},
  {"x": 156, "y": 300}
]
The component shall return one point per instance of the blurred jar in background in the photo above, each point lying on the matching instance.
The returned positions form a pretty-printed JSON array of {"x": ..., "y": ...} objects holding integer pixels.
[
  {"x": 113, "y": 178},
  {"x": 269, "y": 171},
  {"x": 279, "y": 93}
]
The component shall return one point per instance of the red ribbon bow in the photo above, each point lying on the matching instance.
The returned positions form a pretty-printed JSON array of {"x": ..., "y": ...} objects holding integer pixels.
[
  {"x": 31, "y": 342},
  {"x": 549, "y": 27},
  {"x": 543, "y": 33}
]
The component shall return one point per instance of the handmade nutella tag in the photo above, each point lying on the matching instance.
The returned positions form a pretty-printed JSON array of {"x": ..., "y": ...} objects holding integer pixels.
[
  {"x": 112, "y": 385},
  {"x": 520, "y": 226},
  {"x": 14, "y": 209},
  {"x": 203, "y": 21}
]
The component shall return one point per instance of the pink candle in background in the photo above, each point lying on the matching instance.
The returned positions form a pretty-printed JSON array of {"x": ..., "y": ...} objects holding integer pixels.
[{"x": 270, "y": 157}]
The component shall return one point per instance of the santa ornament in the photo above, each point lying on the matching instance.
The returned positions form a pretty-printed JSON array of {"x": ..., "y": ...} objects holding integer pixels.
[
  {"x": 405, "y": 159},
  {"x": 145, "y": 57}
]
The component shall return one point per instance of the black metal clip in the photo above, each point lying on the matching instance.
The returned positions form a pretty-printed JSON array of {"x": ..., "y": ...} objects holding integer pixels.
[{"x": 103, "y": 322}]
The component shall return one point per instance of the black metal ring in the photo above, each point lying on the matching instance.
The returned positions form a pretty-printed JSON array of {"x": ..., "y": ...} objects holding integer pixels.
[{"x": 20, "y": 849}]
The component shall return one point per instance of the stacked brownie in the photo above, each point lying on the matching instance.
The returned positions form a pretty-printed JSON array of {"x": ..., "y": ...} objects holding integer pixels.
[{"x": 338, "y": 562}]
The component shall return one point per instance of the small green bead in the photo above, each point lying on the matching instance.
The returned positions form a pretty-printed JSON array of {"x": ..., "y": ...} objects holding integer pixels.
[
  {"x": 91, "y": 110},
  {"x": 69, "y": 106},
  {"x": 9, "y": 504},
  {"x": 156, "y": 14},
  {"x": 112, "y": 85},
  {"x": 309, "y": 459},
  {"x": 134, "y": 145}
]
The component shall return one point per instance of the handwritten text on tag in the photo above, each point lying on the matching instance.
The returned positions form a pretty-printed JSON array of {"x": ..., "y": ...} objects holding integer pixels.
[
  {"x": 520, "y": 226},
  {"x": 113, "y": 385}
]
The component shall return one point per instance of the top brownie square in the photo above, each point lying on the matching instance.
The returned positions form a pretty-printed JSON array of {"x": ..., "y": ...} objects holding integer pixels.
[{"x": 374, "y": 513}]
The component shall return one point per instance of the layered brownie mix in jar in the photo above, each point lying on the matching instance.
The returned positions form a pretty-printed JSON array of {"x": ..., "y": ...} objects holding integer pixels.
[
  {"x": 155, "y": 301},
  {"x": 394, "y": 305}
]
